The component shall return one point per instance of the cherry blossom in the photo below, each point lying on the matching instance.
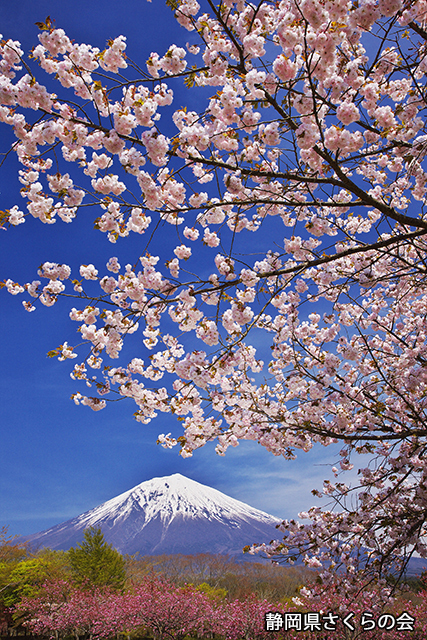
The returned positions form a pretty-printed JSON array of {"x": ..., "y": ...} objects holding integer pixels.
[{"x": 310, "y": 132}]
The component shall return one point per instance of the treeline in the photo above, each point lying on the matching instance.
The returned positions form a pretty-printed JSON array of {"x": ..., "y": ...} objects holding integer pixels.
[
  {"x": 222, "y": 573},
  {"x": 26, "y": 574},
  {"x": 92, "y": 592}
]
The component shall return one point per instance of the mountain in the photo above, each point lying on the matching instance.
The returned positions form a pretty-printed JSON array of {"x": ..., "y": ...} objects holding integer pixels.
[{"x": 172, "y": 514}]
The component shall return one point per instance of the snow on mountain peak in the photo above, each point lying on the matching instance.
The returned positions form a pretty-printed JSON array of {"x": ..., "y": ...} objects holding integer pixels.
[
  {"x": 175, "y": 496},
  {"x": 171, "y": 514}
]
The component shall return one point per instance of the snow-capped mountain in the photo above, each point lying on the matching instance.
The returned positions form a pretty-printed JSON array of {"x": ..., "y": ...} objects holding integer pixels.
[{"x": 172, "y": 514}]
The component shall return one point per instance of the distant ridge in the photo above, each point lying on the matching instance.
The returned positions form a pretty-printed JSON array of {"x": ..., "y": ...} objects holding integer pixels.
[{"x": 171, "y": 514}]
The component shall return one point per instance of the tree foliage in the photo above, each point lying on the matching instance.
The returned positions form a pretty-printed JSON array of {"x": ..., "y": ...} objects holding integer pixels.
[
  {"x": 11, "y": 550},
  {"x": 23, "y": 574},
  {"x": 295, "y": 191},
  {"x": 94, "y": 563}
]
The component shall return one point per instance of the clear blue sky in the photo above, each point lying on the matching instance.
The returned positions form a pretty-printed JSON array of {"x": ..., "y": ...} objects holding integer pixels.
[{"x": 56, "y": 459}]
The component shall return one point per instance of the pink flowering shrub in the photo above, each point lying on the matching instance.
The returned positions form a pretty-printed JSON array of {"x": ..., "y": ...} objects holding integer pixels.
[{"x": 163, "y": 610}]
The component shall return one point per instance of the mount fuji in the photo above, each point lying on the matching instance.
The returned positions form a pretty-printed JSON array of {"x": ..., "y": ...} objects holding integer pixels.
[{"x": 172, "y": 514}]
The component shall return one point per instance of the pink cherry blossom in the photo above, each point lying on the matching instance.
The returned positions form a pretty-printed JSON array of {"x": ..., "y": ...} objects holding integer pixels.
[{"x": 319, "y": 148}]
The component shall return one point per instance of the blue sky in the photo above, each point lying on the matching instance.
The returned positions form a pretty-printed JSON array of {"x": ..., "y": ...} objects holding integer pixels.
[{"x": 57, "y": 459}]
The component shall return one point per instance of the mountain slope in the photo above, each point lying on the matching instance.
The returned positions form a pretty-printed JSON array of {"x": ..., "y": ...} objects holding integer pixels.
[{"x": 172, "y": 514}]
